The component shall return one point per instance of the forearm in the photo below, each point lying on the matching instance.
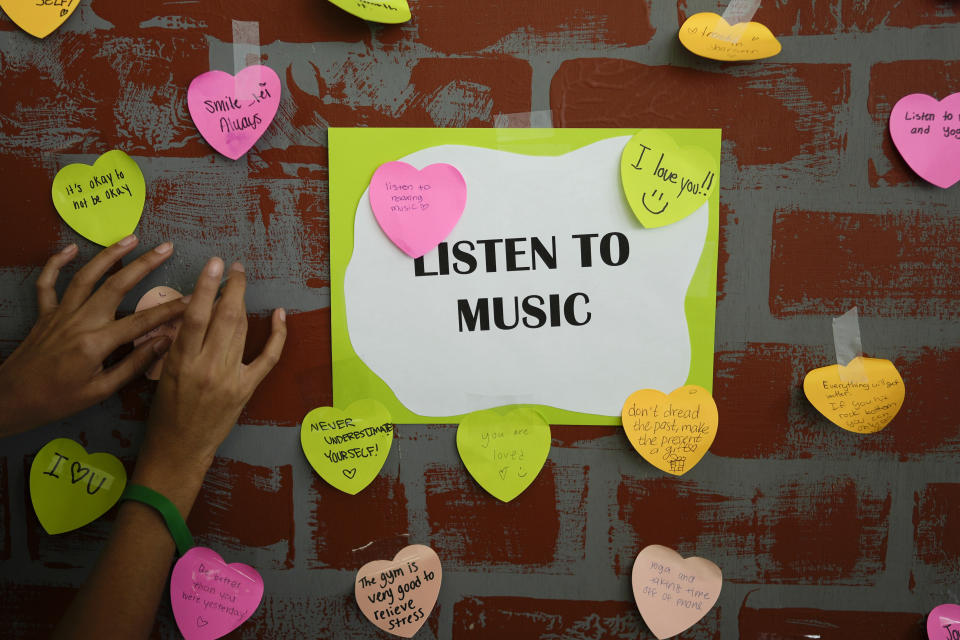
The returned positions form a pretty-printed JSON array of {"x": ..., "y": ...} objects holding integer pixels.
[{"x": 121, "y": 596}]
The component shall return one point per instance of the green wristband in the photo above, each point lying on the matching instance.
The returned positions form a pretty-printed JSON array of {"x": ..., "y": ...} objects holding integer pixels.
[{"x": 171, "y": 515}]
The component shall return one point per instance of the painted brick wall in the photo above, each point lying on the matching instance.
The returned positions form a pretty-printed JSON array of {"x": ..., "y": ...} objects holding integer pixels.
[{"x": 820, "y": 533}]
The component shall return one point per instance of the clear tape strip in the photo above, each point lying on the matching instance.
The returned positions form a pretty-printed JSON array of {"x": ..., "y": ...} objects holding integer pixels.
[
  {"x": 505, "y": 122},
  {"x": 740, "y": 11},
  {"x": 846, "y": 341},
  {"x": 246, "y": 45}
]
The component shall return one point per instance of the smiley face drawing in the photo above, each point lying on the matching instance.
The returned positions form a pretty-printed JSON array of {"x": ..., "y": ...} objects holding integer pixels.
[{"x": 643, "y": 199}]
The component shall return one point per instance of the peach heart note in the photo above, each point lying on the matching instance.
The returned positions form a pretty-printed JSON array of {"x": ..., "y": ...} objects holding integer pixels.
[
  {"x": 864, "y": 405},
  {"x": 39, "y": 18},
  {"x": 671, "y": 432},
  {"x": 417, "y": 209},
  {"x": 673, "y": 593},
  {"x": 710, "y": 36},
  {"x": 397, "y": 595},
  {"x": 153, "y": 298}
]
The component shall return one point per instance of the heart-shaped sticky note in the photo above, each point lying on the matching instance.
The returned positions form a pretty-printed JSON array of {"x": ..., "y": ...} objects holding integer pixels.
[
  {"x": 211, "y": 598},
  {"x": 39, "y": 18},
  {"x": 348, "y": 448},
  {"x": 708, "y": 35},
  {"x": 232, "y": 112},
  {"x": 153, "y": 298},
  {"x": 397, "y": 595},
  {"x": 70, "y": 487},
  {"x": 385, "y": 11},
  {"x": 417, "y": 209},
  {"x": 504, "y": 454},
  {"x": 927, "y": 134},
  {"x": 862, "y": 403},
  {"x": 673, "y": 593},
  {"x": 103, "y": 203},
  {"x": 662, "y": 182},
  {"x": 672, "y": 432},
  {"x": 943, "y": 623}
]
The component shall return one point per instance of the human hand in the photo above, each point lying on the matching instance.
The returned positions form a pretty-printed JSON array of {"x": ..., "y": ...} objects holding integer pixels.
[
  {"x": 204, "y": 385},
  {"x": 58, "y": 369}
]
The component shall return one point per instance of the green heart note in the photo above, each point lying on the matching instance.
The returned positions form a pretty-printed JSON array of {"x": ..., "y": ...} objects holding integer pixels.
[
  {"x": 348, "y": 448},
  {"x": 103, "y": 203},
  {"x": 663, "y": 182},
  {"x": 504, "y": 454},
  {"x": 70, "y": 488}
]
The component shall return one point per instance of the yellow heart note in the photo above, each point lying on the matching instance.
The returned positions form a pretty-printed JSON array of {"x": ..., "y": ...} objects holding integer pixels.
[
  {"x": 862, "y": 397},
  {"x": 710, "y": 36},
  {"x": 39, "y": 18}
]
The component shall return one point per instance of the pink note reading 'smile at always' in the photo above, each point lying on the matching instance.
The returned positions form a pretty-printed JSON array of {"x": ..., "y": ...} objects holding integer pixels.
[{"x": 927, "y": 134}]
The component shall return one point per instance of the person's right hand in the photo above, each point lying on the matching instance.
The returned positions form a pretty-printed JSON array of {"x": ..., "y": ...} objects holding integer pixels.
[
  {"x": 58, "y": 369},
  {"x": 204, "y": 385}
]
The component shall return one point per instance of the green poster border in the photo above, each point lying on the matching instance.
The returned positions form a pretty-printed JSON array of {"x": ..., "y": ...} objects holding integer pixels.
[{"x": 355, "y": 153}]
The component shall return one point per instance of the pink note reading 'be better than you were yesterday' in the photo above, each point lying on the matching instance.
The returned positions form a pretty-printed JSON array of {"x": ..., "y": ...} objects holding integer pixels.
[
  {"x": 232, "y": 112},
  {"x": 927, "y": 134}
]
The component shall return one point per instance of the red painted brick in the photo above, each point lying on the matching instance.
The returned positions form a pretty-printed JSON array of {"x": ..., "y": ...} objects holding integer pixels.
[
  {"x": 790, "y": 623},
  {"x": 346, "y": 536},
  {"x": 502, "y": 25},
  {"x": 837, "y": 16},
  {"x": 242, "y": 505},
  {"x": 556, "y": 502},
  {"x": 890, "y": 81},
  {"x": 30, "y": 610},
  {"x": 772, "y": 534},
  {"x": 31, "y": 225},
  {"x": 528, "y": 618},
  {"x": 904, "y": 264},
  {"x": 786, "y": 116},
  {"x": 4, "y": 511},
  {"x": 936, "y": 552}
]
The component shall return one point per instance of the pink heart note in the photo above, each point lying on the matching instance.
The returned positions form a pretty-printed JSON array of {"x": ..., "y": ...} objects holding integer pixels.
[
  {"x": 417, "y": 209},
  {"x": 943, "y": 623},
  {"x": 153, "y": 298},
  {"x": 927, "y": 135},
  {"x": 232, "y": 113},
  {"x": 673, "y": 593},
  {"x": 397, "y": 595},
  {"x": 211, "y": 598}
]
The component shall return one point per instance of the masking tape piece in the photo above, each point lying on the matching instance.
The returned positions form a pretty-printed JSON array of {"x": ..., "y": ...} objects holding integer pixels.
[
  {"x": 846, "y": 341},
  {"x": 246, "y": 45}
]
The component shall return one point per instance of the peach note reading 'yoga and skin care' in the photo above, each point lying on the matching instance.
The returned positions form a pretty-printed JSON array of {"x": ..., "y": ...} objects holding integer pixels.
[
  {"x": 232, "y": 112},
  {"x": 943, "y": 623},
  {"x": 383, "y": 11},
  {"x": 709, "y": 36},
  {"x": 671, "y": 432},
  {"x": 927, "y": 134},
  {"x": 864, "y": 405},
  {"x": 348, "y": 448},
  {"x": 504, "y": 454},
  {"x": 417, "y": 209},
  {"x": 664, "y": 183},
  {"x": 398, "y": 595},
  {"x": 103, "y": 202},
  {"x": 211, "y": 598},
  {"x": 153, "y": 298},
  {"x": 70, "y": 488},
  {"x": 673, "y": 593},
  {"x": 39, "y": 18}
]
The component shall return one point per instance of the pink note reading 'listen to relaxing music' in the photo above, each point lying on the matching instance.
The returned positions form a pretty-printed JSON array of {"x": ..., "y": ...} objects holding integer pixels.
[
  {"x": 927, "y": 134},
  {"x": 417, "y": 209}
]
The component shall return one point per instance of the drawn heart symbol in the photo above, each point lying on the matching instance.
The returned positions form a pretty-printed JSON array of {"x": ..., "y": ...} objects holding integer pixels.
[
  {"x": 360, "y": 436},
  {"x": 673, "y": 593},
  {"x": 919, "y": 132},
  {"x": 37, "y": 18},
  {"x": 397, "y": 189},
  {"x": 152, "y": 298},
  {"x": 204, "y": 589},
  {"x": 398, "y": 595},
  {"x": 943, "y": 623},
  {"x": 672, "y": 432},
  {"x": 232, "y": 112},
  {"x": 862, "y": 397},
  {"x": 663, "y": 182},
  {"x": 62, "y": 501},
  {"x": 383, "y": 11},
  {"x": 504, "y": 454},
  {"x": 103, "y": 202},
  {"x": 710, "y": 36}
]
